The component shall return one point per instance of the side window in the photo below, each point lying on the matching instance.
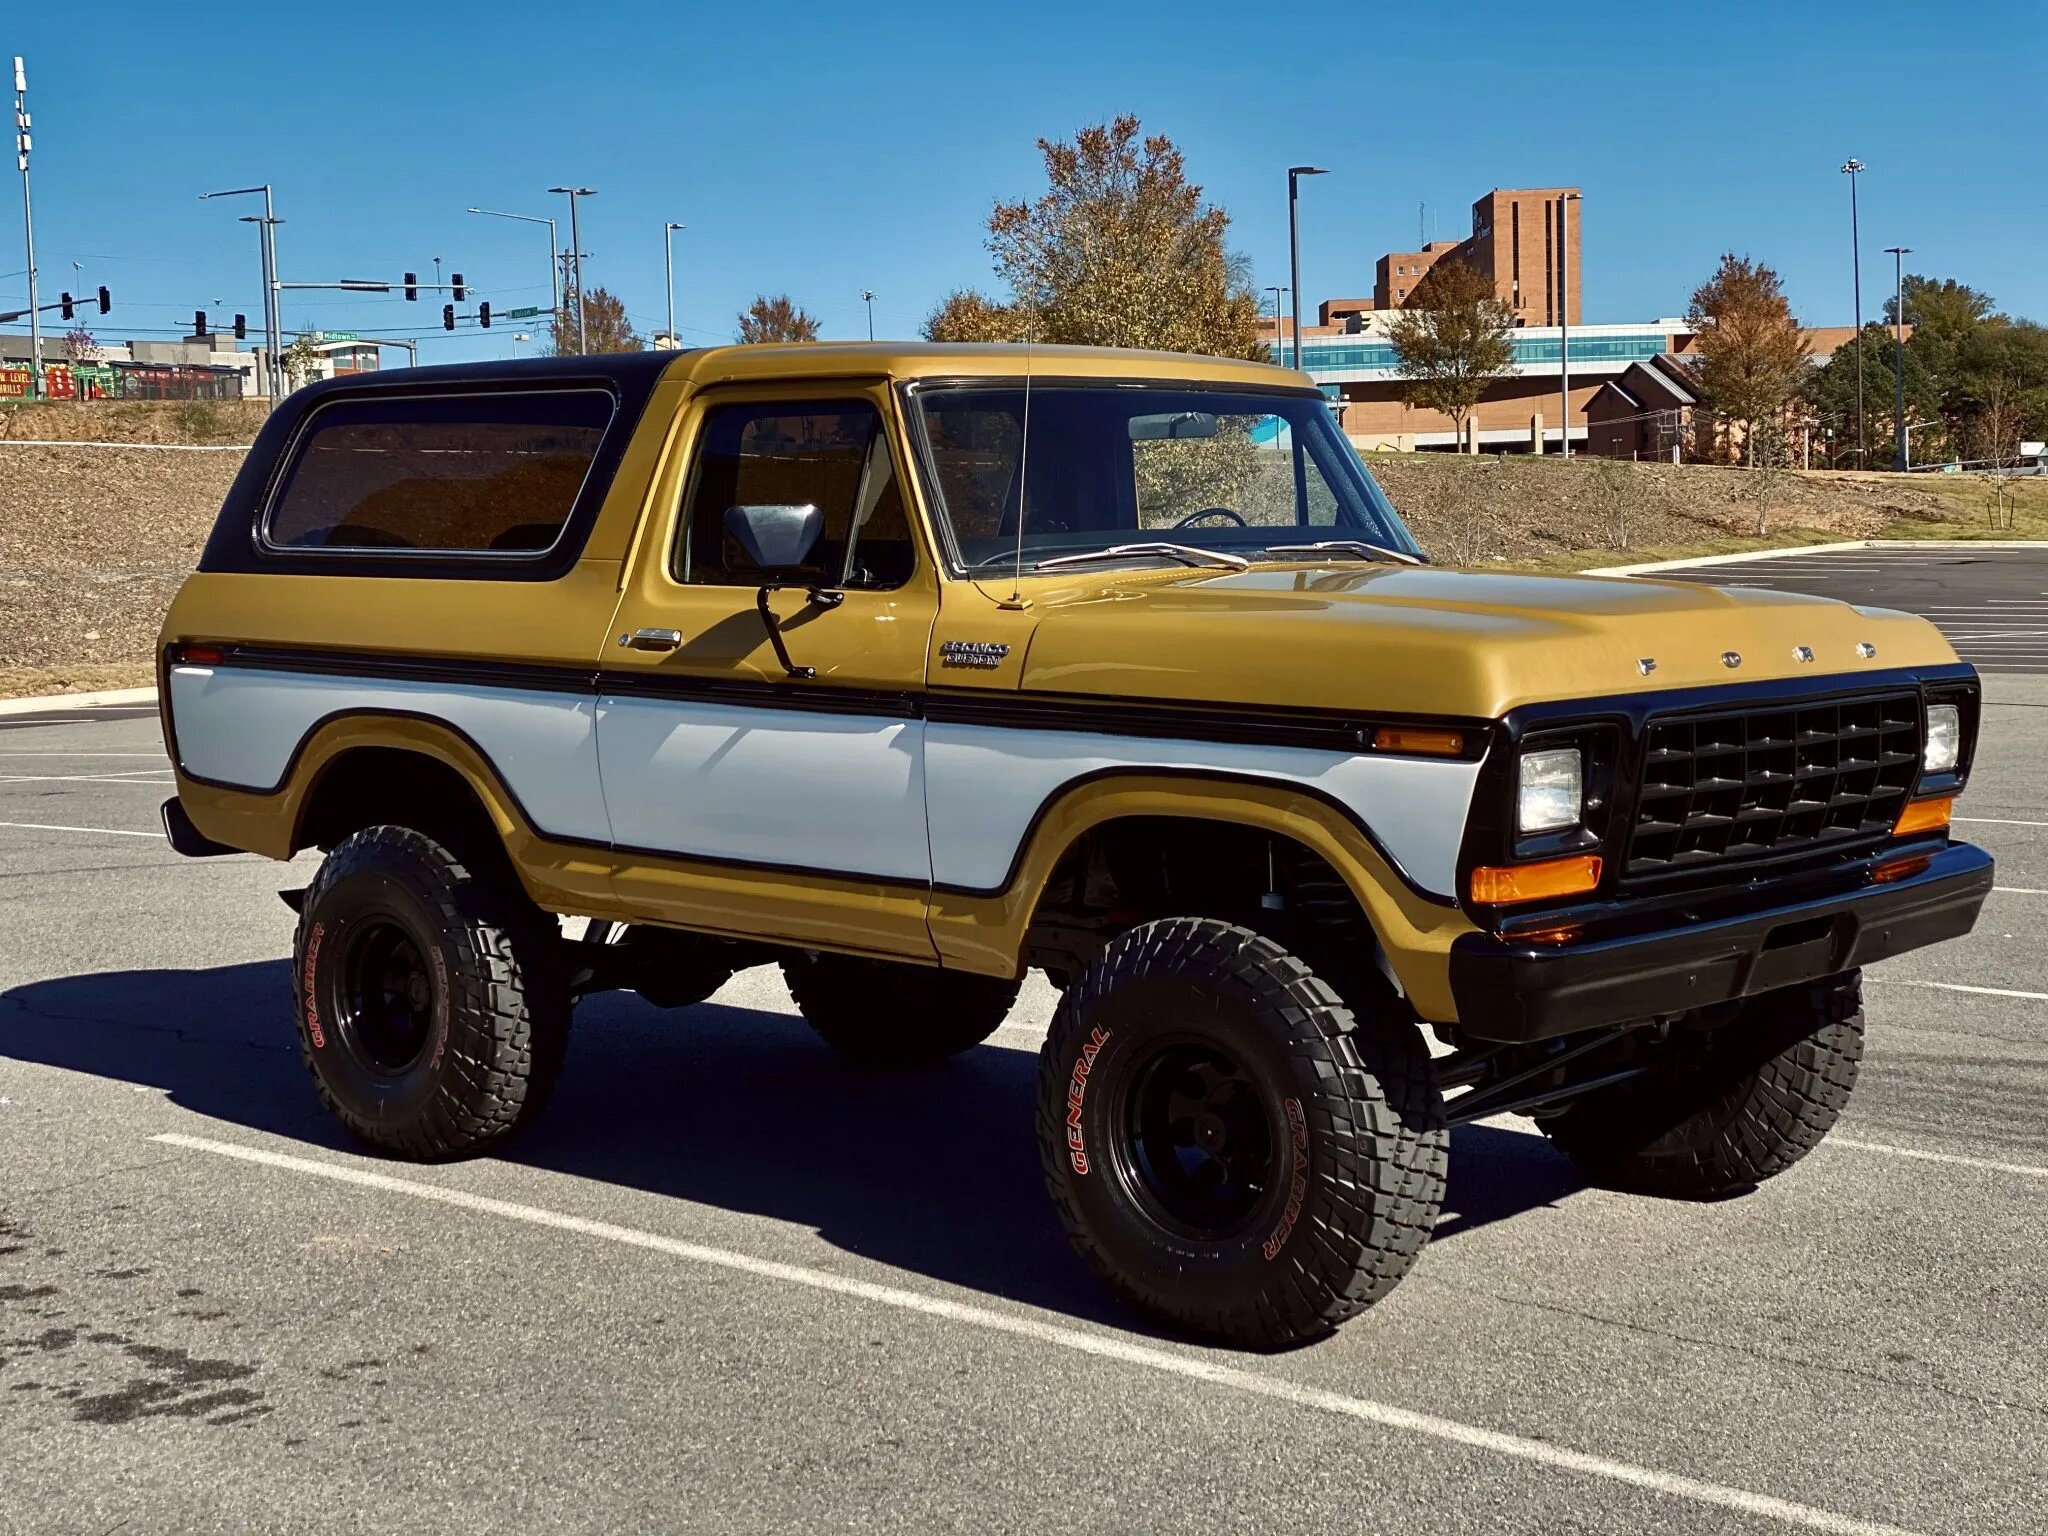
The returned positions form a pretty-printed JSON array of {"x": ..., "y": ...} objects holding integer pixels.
[
  {"x": 494, "y": 473},
  {"x": 833, "y": 455}
]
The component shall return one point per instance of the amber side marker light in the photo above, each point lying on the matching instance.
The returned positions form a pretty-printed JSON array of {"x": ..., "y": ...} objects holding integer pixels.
[
  {"x": 1552, "y": 933},
  {"x": 1901, "y": 869},
  {"x": 1395, "y": 738},
  {"x": 1925, "y": 816},
  {"x": 1500, "y": 887}
]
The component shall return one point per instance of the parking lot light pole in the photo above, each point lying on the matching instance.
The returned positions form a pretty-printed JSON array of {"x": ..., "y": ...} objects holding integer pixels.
[
  {"x": 668, "y": 268},
  {"x": 554, "y": 281},
  {"x": 1294, "y": 175},
  {"x": 1901, "y": 459},
  {"x": 1852, "y": 168},
  {"x": 576, "y": 256},
  {"x": 1279, "y": 292},
  {"x": 867, "y": 297}
]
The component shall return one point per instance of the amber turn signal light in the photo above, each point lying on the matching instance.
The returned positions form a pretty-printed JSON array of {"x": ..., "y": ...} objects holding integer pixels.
[
  {"x": 1546, "y": 881},
  {"x": 1397, "y": 738},
  {"x": 1925, "y": 816}
]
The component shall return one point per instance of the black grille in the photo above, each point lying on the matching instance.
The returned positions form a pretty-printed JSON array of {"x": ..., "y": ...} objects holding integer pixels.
[{"x": 1773, "y": 782}]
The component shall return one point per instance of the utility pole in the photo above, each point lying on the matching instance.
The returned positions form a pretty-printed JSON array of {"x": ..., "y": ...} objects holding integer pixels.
[
  {"x": 1902, "y": 459},
  {"x": 22, "y": 144},
  {"x": 1852, "y": 168},
  {"x": 576, "y": 255}
]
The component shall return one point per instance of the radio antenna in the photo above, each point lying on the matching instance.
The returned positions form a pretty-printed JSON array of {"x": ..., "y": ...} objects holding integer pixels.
[{"x": 1023, "y": 464}]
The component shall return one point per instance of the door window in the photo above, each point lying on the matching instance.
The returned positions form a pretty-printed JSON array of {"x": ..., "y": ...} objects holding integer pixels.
[{"x": 833, "y": 455}]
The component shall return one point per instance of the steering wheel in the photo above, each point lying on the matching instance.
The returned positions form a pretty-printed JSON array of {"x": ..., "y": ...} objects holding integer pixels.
[{"x": 1207, "y": 512}]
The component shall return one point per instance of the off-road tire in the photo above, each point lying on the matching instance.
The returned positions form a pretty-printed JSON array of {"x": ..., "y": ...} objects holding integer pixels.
[
  {"x": 883, "y": 1014},
  {"x": 1363, "y": 1144},
  {"x": 496, "y": 1023},
  {"x": 1725, "y": 1109}
]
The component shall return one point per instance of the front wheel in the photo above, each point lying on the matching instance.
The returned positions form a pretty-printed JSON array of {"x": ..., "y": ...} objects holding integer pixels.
[
  {"x": 1230, "y": 1147},
  {"x": 433, "y": 1007},
  {"x": 1725, "y": 1108}
]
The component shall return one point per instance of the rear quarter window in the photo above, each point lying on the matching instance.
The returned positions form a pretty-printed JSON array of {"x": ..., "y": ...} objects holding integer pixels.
[{"x": 458, "y": 474}]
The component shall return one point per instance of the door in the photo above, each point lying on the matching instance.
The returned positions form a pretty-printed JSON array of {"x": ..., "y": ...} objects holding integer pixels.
[{"x": 747, "y": 795}]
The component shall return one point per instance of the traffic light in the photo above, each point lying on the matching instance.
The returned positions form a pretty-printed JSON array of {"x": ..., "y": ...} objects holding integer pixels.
[
  {"x": 241, "y": 327},
  {"x": 64, "y": 304},
  {"x": 447, "y": 317},
  {"x": 458, "y": 287},
  {"x": 106, "y": 300},
  {"x": 412, "y": 286},
  {"x": 483, "y": 314},
  {"x": 199, "y": 324}
]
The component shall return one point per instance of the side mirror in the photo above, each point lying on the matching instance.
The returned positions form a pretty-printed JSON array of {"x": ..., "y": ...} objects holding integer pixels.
[{"x": 775, "y": 539}]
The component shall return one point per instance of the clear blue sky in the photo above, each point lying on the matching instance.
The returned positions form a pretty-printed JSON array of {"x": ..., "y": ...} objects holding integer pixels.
[{"x": 822, "y": 149}]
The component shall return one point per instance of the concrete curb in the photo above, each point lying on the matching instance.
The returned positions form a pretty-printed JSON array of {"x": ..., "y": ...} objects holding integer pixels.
[
  {"x": 77, "y": 700},
  {"x": 1812, "y": 549}
]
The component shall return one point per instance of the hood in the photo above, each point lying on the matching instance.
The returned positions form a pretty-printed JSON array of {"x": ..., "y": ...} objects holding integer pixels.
[{"x": 1435, "y": 641}]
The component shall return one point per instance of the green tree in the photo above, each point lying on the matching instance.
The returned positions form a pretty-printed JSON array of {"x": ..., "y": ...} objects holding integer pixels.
[
  {"x": 1999, "y": 393},
  {"x": 1119, "y": 250},
  {"x": 1752, "y": 356},
  {"x": 1452, "y": 339},
  {"x": 775, "y": 319},
  {"x": 1829, "y": 389},
  {"x": 605, "y": 327},
  {"x": 301, "y": 359}
]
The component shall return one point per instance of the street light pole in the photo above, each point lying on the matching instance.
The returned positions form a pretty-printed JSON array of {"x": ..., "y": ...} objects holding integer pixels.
[
  {"x": 22, "y": 144},
  {"x": 1902, "y": 458},
  {"x": 554, "y": 279},
  {"x": 868, "y": 298},
  {"x": 1294, "y": 175},
  {"x": 1564, "y": 334},
  {"x": 576, "y": 256},
  {"x": 273, "y": 307},
  {"x": 1852, "y": 168},
  {"x": 1279, "y": 318},
  {"x": 668, "y": 255}
]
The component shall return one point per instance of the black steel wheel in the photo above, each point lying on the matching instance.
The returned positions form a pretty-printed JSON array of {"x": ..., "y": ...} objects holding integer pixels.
[
  {"x": 432, "y": 1003},
  {"x": 1231, "y": 1147}
]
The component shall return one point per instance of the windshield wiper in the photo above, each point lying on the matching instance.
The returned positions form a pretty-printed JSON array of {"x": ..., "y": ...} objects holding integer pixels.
[
  {"x": 1186, "y": 554},
  {"x": 1355, "y": 547}
]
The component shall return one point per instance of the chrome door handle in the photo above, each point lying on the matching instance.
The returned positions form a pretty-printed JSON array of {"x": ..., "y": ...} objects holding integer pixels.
[{"x": 652, "y": 639}]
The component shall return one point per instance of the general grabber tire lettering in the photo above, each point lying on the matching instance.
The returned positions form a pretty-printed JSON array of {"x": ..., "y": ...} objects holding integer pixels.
[
  {"x": 1230, "y": 1147},
  {"x": 432, "y": 1005},
  {"x": 883, "y": 1014},
  {"x": 1727, "y": 1108}
]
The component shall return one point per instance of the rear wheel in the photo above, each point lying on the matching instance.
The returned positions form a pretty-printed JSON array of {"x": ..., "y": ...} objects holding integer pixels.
[
  {"x": 1230, "y": 1147},
  {"x": 432, "y": 1007},
  {"x": 1725, "y": 1108},
  {"x": 884, "y": 1014}
]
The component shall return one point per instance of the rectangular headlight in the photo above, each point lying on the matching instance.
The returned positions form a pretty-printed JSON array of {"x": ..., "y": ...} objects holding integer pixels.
[
  {"x": 1551, "y": 792},
  {"x": 1944, "y": 739}
]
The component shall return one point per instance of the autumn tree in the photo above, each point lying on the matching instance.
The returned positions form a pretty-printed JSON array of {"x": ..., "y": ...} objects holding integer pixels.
[
  {"x": 964, "y": 315},
  {"x": 1120, "y": 250},
  {"x": 605, "y": 327},
  {"x": 1751, "y": 355},
  {"x": 1452, "y": 339},
  {"x": 776, "y": 318},
  {"x": 81, "y": 347}
]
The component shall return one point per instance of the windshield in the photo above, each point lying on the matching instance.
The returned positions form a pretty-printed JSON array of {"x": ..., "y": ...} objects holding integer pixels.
[{"x": 1108, "y": 465}]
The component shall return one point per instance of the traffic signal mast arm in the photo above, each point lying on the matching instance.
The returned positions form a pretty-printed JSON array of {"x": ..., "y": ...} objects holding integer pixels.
[{"x": 66, "y": 305}]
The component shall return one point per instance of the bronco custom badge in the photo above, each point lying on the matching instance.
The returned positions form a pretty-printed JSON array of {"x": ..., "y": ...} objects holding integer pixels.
[{"x": 972, "y": 653}]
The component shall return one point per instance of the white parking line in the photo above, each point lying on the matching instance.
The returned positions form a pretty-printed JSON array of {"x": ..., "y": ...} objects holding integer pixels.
[
  {"x": 84, "y": 778},
  {"x": 2018, "y": 890},
  {"x": 50, "y": 752},
  {"x": 44, "y": 826},
  {"x": 1996, "y": 821},
  {"x": 2028, "y": 1170},
  {"x": 1101, "y": 1346},
  {"x": 1953, "y": 986}
]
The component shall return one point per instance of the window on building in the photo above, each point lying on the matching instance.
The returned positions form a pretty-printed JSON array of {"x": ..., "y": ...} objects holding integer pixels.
[
  {"x": 832, "y": 455},
  {"x": 490, "y": 473}
]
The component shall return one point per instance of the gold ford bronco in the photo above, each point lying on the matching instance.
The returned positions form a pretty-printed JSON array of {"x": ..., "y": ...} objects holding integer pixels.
[{"x": 910, "y": 668}]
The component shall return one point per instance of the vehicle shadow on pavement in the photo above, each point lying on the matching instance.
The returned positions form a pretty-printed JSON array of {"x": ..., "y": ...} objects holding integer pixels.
[{"x": 934, "y": 1171}]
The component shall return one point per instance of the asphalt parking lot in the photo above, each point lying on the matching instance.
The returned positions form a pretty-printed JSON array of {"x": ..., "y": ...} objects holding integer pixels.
[
  {"x": 729, "y": 1284},
  {"x": 1990, "y": 600}
]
